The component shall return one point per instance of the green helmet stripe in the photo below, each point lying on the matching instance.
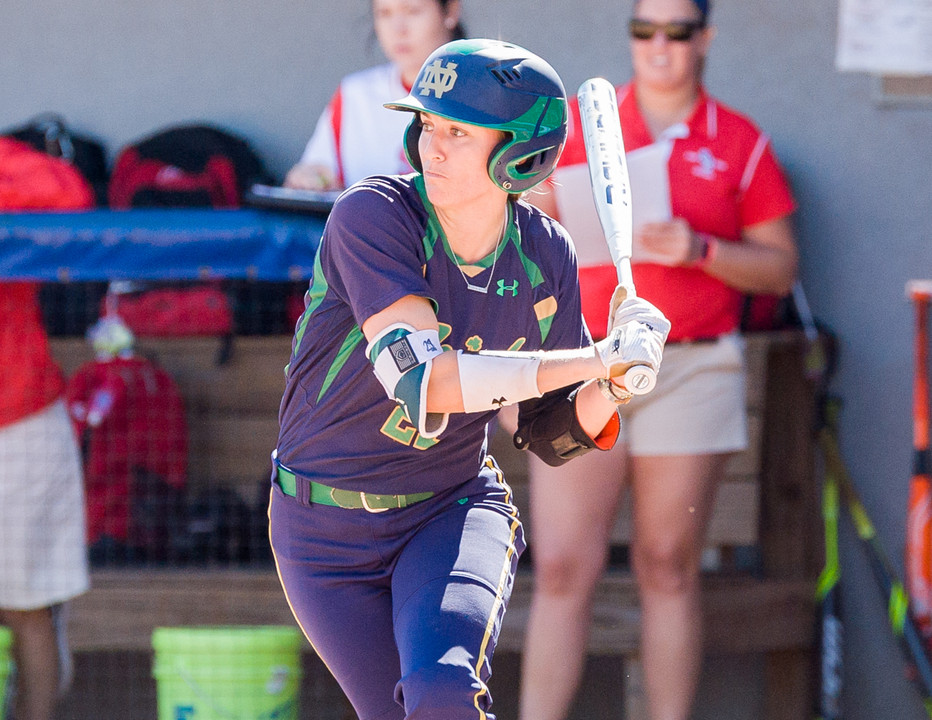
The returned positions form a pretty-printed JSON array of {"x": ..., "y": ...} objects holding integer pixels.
[{"x": 545, "y": 115}]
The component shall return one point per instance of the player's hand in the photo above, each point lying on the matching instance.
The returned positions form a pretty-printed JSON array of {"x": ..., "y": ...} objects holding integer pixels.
[
  {"x": 310, "y": 177},
  {"x": 636, "y": 336}
]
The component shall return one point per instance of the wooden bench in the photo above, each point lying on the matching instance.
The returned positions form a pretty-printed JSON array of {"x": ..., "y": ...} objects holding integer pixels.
[{"x": 768, "y": 502}]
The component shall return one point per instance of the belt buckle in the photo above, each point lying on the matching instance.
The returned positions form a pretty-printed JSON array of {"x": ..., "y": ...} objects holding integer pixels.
[
  {"x": 367, "y": 507},
  {"x": 347, "y": 499}
]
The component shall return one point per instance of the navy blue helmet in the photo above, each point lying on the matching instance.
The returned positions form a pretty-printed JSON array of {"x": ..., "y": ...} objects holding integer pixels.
[{"x": 496, "y": 85}]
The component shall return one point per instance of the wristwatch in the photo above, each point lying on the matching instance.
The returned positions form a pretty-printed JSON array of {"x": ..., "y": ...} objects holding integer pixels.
[
  {"x": 616, "y": 393},
  {"x": 708, "y": 251}
]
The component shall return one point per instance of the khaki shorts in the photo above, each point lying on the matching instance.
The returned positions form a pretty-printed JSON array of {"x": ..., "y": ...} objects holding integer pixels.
[
  {"x": 43, "y": 558},
  {"x": 698, "y": 405}
]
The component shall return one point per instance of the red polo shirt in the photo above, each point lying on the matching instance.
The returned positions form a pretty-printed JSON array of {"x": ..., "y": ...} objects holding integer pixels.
[
  {"x": 724, "y": 177},
  {"x": 29, "y": 377}
]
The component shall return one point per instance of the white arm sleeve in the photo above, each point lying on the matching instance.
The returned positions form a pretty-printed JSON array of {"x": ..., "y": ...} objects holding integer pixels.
[{"x": 490, "y": 381}]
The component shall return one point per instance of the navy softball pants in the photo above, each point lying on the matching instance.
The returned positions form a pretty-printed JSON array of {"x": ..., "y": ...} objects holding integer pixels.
[{"x": 404, "y": 606}]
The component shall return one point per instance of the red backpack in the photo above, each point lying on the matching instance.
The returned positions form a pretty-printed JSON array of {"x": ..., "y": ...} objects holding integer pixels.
[
  {"x": 31, "y": 180},
  {"x": 130, "y": 417},
  {"x": 48, "y": 133},
  {"x": 185, "y": 166},
  {"x": 187, "y": 310}
]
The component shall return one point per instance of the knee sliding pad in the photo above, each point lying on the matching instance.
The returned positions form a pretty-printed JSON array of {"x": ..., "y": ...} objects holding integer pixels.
[{"x": 402, "y": 358}]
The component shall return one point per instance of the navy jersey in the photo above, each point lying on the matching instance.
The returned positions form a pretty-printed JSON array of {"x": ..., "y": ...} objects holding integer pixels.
[{"x": 381, "y": 243}]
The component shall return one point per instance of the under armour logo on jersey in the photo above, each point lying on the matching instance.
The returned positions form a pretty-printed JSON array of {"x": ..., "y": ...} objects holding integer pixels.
[
  {"x": 705, "y": 164},
  {"x": 500, "y": 402},
  {"x": 502, "y": 287},
  {"x": 438, "y": 78}
]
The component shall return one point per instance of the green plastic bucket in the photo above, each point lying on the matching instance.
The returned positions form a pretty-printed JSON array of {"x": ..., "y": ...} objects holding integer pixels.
[
  {"x": 227, "y": 672},
  {"x": 6, "y": 665}
]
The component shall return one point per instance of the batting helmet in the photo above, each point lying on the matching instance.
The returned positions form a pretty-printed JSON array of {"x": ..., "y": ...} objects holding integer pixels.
[{"x": 500, "y": 86}]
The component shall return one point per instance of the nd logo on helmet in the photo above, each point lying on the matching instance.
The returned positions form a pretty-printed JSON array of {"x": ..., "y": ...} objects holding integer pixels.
[{"x": 438, "y": 78}]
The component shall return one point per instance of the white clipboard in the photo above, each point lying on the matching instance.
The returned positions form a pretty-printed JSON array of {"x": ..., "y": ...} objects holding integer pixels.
[{"x": 650, "y": 200}]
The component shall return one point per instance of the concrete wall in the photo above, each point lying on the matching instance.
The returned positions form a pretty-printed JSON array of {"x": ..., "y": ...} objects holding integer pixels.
[{"x": 863, "y": 173}]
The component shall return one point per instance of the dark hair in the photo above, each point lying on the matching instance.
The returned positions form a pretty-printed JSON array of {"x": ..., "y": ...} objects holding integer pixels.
[
  {"x": 458, "y": 32},
  {"x": 703, "y": 6}
]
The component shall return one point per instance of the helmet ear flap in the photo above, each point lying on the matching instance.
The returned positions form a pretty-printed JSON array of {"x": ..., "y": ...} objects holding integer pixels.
[
  {"x": 516, "y": 167},
  {"x": 498, "y": 170},
  {"x": 412, "y": 136}
]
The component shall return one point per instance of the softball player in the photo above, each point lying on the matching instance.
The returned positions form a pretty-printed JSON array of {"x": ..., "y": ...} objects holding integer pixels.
[{"x": 436, "y": 299}]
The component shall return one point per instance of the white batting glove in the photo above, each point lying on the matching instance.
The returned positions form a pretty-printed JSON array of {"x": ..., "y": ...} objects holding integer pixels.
[
  {"x": 636, "y": 337},
  {"x": 635, "y": 309}
]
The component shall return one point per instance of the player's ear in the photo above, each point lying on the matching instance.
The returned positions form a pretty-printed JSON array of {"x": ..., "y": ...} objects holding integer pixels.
[
  {"x": 705, "y": 39},
  {"x": 453, "y": 10}
]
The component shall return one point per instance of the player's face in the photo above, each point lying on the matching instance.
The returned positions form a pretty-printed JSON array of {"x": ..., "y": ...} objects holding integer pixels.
[
  {"x": 455, "y": 156},
  {"x": 410, "y": 30},
  {"x": 664, "y": 64}
]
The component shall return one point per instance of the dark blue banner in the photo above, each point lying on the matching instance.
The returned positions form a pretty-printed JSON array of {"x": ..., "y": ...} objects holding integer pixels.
[{"x": 176, "y": 244}]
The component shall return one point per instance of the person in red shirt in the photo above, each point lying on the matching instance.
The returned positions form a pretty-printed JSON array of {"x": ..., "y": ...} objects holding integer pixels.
[
  {"x": 43, "y": 559},
  {"x": 728, "y": 233}
]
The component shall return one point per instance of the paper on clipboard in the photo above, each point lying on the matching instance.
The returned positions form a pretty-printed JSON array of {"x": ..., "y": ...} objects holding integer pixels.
[{"x": 650, "y": 199}]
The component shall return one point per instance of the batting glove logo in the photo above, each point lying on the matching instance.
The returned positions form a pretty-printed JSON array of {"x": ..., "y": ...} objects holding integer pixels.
[
  {"x": 616, "y": 341},
  {"x": 438, "y": 78}
]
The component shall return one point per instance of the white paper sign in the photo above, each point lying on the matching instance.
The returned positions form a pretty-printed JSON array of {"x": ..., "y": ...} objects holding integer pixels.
[{"x": 892, "y": 37}]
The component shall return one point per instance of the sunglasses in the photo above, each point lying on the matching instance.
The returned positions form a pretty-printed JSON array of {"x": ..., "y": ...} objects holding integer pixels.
[{"x": 677, "y": 31}]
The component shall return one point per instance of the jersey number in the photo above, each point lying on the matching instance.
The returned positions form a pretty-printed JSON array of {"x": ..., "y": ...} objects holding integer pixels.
[{"x": 400, "y": 430}]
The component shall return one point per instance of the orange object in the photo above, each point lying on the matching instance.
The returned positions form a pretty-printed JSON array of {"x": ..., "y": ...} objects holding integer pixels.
[{"x": 919, "y": 513}]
